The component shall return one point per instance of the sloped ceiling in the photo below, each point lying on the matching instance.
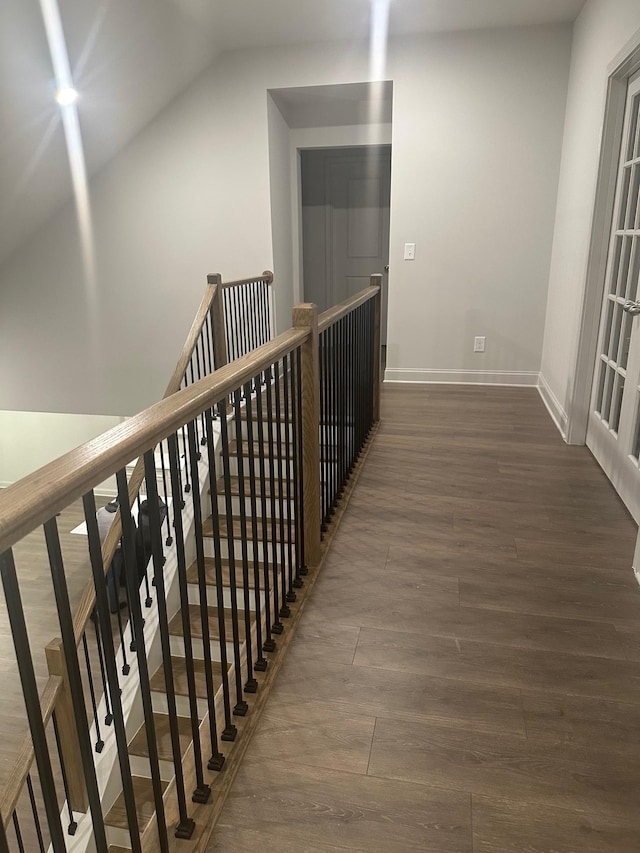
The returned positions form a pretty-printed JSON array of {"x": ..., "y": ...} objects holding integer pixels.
[{"x": 129, "y": 58}]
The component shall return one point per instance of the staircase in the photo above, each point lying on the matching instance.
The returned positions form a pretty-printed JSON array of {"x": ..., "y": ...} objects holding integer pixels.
[
  {"x": 256, "y": 535},
  {"x": 251, "y": 459}
]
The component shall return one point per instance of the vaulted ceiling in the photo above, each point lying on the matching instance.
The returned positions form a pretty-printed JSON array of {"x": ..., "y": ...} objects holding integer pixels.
[{"x": 129, "y": 58}]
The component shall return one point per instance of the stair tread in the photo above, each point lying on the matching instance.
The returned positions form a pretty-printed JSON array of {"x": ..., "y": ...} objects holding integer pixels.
[
  {"x": 139, "y": 745},
  {"x": 175, "y": 626},
  {"x": 145, "y": 805},
  {"x": 180, "y": 681},
  {"x": 237, "y": 528},
  {"x": 210, "y": 573}
]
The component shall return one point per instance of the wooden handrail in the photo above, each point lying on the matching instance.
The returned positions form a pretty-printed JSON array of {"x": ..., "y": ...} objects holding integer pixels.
[
  {"x": 22, "y": 766},
  {"x": 267, "y": 276},
  {"x": 192, "y": 339},
  {"x": 328, "y": 318},
  {"x": 38, "y": 497}
]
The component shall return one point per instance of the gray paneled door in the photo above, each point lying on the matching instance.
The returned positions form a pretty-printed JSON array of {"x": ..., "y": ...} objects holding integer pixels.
[{"x": 345, "y": 221}]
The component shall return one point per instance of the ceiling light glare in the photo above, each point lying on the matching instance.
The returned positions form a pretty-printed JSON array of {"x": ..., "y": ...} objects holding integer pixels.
[{"x": 66, "y": 96}]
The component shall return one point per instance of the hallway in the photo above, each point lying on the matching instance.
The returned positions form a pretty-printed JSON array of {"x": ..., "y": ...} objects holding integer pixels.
[{"x": 466, "y": 674}]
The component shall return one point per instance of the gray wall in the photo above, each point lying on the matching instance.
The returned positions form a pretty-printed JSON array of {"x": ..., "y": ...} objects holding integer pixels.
[{"x": 476, "y": 140}]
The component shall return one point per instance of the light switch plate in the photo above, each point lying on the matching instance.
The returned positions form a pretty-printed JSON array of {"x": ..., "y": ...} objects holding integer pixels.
[{"x": 409, "y": 251}]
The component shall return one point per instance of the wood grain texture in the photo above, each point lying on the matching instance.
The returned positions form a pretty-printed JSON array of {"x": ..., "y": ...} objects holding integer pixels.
[
  {"x": 332, "y": 315},
  {"x": 38, "y": 497},
  {"x": 520, "y": 693}
]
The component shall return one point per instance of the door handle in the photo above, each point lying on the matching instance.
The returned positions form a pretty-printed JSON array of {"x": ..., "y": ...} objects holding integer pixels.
[
  {"x": 386, "y": 267},
  {"x": 632, "y": 308}
]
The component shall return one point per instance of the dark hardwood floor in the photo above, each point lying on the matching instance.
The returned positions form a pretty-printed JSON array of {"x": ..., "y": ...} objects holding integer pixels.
[{"x": 466, "y": 675}]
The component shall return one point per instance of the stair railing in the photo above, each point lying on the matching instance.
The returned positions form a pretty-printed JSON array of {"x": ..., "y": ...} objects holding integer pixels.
[
  {"x": 254, "y": 432},
  {"x": 205, "y": 349}
]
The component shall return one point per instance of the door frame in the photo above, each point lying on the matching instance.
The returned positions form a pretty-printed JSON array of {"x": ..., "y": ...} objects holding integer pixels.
[
  {"x": 624, "y": 66},
  {"x": 357, "y": 136}
]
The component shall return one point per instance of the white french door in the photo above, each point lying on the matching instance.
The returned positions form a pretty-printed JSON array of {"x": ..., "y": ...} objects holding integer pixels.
[{"x": 613, "y": 434}]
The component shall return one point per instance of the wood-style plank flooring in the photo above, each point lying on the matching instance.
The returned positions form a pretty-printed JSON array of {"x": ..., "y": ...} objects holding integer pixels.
[{"x": 466, "y": 675}]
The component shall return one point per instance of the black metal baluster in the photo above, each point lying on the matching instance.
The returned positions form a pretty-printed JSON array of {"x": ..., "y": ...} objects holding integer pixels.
[
  {"x": 341, "y": 426},
  {"x": 269, "y": 644},
  {"x": 245, "y": 320},
  {"x": 230, "y": 731},
  {"x": 73, "y": 826},
  {"x": 99, "y": 746},
  {"x": 202, "y": 372},
  {"x": 248, "y": 319},
  {"x": 75, "y": 681},
  {"x": 299, "y": 501},
  {"x": 267, "y": 291},
  {"x": 230, "y": 324},
  {"x": 186, "y": 825},
  {"x": 241, "y": 706},
  {"x": 16, "y": 827},
  {"x": 36, "y": 816},
  {"x": 285, "y": 610},
  {"x": 169, "y": 539},
  {"x": 352, "y": 393},
  {"x": 334, "y": 419},
  {"x": 323, "y": 428},
  {"x": 187, "y": 485},
  {"x": 202, "y": 792},
  {"x": 288, "y": 461},
  {"x": 264, "y": 320},
  {"x": 103, "y": 676},
  {"x": 194, "y": 367},
  {"x": 255, "y": 317},
  {"x": 207, "y": 344},
  {"x": 129, "y": 545},
  {"x": 102, "y": 608},
  {"x": 358, "y": 381},
  {"x": 277, "y": 627},
  {"x": 147, "y": 601},
  {"x": 261, "y": 663},
  {"x": 31, "y": 697},
  {"x": 295, "y": 494},
  {"x": 237, "y": 323},
  {"x": 251, "y": 685}
]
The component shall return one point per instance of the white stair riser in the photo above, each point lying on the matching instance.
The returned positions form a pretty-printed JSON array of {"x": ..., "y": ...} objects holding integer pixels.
[
  {"x": 177, "y": 647},
  {"x": 140, "y": 767},
  {"x": 236, "y": 504},
  {"x": 194, "y": 594},
  {"x": 286, "y": 431},
  {"x": 234, "y": 468},
  {"x": 209, "y": 550},
  {"x": 160, "y": 705}
]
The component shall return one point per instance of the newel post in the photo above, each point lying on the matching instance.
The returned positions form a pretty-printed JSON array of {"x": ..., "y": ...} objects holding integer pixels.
[
  {"x": 65, "y": 719},
  {"x": 305, "y": 316},
  {"x": 218, "y": 329},
  {"x": 376, "y": 281}
]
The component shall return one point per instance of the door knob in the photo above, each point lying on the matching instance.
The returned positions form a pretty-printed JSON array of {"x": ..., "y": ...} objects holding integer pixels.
[
  {"x": 632, "y": 308},
  {"x": 386, "y": 267}
]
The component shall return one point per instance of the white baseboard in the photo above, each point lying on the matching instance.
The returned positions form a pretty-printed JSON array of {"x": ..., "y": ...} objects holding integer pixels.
[
  {"x": 462, "y": 377},
  {"x": 554, "y": 407}
]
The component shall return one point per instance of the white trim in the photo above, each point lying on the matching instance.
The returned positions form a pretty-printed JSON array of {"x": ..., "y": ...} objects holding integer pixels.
[
  {"x": 554, "y": 407},
  {"x": 462, "y": 377}
]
